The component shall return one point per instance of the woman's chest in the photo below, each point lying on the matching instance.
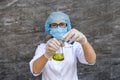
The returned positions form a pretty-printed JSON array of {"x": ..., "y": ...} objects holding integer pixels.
[{"x": 69, "y": 59}]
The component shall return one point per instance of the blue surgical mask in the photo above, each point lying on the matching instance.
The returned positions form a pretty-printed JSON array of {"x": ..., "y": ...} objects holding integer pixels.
[{"x": 58, "y": 32}]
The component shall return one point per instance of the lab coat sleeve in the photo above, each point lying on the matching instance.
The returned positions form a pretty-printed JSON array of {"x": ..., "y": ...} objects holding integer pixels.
[
  {"x": 80, "y": 54},
  {"x": 39, "y": 52}
]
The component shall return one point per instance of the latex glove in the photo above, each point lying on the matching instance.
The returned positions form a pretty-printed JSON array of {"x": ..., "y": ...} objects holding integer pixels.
[
  {"x": 52, "y": 46},
  {"x": 75, "y": 35}
]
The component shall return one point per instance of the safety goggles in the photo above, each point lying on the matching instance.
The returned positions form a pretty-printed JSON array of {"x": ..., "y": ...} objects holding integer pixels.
[{"x": 54, "y": 25}]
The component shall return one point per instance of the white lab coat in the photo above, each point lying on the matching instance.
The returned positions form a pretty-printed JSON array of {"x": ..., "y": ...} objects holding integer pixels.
[{"x": 61, "y": 70}]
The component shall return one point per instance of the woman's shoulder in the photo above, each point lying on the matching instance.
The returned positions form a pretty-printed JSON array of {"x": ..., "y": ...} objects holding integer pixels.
[
  {"x": 42, "y": 45},
  {"x": 77, "y": 44}
]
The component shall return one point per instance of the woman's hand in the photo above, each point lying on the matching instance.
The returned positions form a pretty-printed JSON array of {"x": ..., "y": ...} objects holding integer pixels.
[
  {"x": 75, "y": 35},
  {"x": 52, "y": 46}
]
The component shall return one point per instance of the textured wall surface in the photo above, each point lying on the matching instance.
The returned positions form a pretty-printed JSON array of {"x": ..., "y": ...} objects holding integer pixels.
[{"x": 22, "y": 29}]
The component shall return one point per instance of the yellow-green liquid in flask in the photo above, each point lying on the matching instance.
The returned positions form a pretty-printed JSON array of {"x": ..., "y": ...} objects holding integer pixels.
[{"x": 58, "y": 56}]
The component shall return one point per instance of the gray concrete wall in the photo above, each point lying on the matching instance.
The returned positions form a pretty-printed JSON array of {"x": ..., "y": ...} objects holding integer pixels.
[{"x": 22, "y": 29}]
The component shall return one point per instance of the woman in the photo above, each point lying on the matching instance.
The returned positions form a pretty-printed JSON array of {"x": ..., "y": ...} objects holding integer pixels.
[{"x": 75, "y": 48}]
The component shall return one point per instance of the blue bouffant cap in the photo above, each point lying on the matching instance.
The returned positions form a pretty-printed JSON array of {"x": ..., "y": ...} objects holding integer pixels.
[{"x": 57, "y": 16}]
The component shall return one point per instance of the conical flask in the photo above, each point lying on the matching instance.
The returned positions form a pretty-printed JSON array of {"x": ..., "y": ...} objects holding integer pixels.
[{"x": 58, "y": 55}]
